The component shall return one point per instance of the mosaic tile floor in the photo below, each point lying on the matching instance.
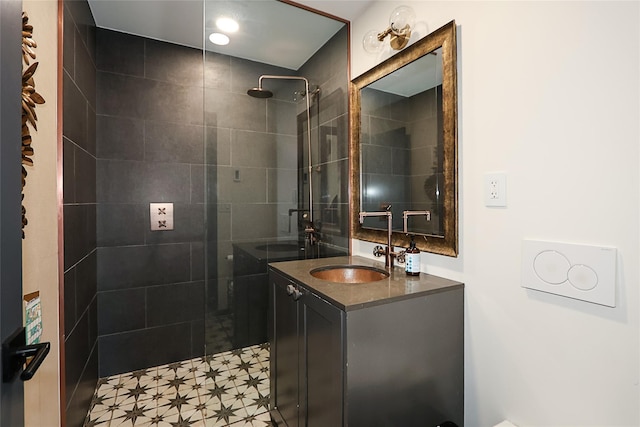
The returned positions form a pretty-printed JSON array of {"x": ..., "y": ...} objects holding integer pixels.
[{"x": 225, "y": 389}]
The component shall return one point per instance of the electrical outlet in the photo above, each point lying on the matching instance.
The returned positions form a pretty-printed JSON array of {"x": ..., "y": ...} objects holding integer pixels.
[{"x": 495, "y": 189}]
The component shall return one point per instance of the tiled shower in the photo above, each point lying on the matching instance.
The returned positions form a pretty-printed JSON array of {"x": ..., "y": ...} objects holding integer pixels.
[{"x": 148, "y": 121}]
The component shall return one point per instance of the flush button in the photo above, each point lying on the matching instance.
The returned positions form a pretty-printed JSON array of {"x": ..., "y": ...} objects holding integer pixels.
[
  {"x": 577, "y": 271},
  {"x": 551, "y": 267},
  {"x": 583, "y": 277},
  {"x": 161, "y": 216}
]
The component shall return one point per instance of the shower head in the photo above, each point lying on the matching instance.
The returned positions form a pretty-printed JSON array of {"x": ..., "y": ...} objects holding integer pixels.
[{"x": 259, "y": 92}]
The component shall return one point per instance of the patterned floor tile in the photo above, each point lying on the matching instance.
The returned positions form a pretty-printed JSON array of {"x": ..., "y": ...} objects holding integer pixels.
[
  {"x": 230, "y": 388},
  {"x": 228, "y": 413}
]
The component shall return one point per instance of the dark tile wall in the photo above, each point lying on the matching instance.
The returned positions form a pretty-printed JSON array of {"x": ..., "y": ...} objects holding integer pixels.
[
  {"x": 385, "y": 155},
  {"x": 402, "y": 156},
  {"x": 250, "y": 144},
  {"x": 79, "y": 173},
  {"x": 328, "y": 69},
  {"x": 273, "y": 148},
  {"x": 156, "y": 143},
  {"x": 257, "y": 143},
  {"x": 427, "y": 160},
  {"x": 150, "y": 148}
]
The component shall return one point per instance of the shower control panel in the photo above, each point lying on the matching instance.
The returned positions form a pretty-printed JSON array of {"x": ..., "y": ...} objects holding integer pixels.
[
  {"x": 161, "y": 216},
  {"x": 581, "y": 272}
]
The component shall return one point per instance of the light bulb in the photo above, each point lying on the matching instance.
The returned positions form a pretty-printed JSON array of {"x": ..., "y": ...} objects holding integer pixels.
[
  {"x": 370, "y": 42},
  {"x": 402, "y": 18}
]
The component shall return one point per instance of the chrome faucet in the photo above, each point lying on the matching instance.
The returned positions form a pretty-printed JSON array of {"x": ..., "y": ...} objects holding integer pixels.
[{"x": 389, "y": 254}]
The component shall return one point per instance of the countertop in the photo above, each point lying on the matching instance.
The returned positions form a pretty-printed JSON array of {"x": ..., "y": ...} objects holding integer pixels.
[
  {"x": 353, "y": 296},
  {"x": 280, "y": 250}
]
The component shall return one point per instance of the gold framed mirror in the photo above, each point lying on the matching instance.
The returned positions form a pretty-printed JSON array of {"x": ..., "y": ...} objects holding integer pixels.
[{"x": 404, "y": 145}]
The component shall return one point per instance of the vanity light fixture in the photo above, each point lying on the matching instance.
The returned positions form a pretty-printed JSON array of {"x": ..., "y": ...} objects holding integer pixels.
[{"x": 400, "y": 22}]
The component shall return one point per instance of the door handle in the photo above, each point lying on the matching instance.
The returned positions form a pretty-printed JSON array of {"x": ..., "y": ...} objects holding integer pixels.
[
  {"x": 38, "y": 352},
  {"x": 15, "y": 353}
]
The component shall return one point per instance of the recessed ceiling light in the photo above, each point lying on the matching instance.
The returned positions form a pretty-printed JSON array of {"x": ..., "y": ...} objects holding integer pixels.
[
  {"x": 219, "y": 39},
  {"x": 227, "y": 25}
]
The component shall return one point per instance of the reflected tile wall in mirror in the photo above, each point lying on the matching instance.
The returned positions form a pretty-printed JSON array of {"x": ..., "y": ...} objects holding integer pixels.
[{"x": 402, "y": 157}]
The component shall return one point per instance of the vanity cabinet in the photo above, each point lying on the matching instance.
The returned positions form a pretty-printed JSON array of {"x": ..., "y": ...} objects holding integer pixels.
[
  {"x": 362, "y": 355},
  {"x": 251, "y": 283},
  {"x": 306, "y": 357}
]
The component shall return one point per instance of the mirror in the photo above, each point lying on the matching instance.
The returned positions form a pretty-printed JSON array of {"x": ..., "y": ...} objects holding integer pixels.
[{"x": 404, "y": 145}]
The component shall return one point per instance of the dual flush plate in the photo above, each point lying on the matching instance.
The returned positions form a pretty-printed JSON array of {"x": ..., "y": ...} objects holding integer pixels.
[{"x": 582, "y": 272}]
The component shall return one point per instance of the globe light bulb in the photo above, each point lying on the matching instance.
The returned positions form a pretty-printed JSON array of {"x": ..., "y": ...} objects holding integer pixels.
[
  {"x": 370, "y": 42},
  {"x": 402, "y": 18}
]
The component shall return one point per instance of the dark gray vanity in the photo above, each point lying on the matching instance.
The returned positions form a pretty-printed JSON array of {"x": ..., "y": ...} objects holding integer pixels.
[
  {"x": 384, "y": 353},
  {"x": 250, "y": 283}
]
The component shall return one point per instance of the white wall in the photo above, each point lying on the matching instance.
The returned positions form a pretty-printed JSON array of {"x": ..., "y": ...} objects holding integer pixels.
[
  {"x": 40, "y": 247},
  {"x": 548, "y": 93}
]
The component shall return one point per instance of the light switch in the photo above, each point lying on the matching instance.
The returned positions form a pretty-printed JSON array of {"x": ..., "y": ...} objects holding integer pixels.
[{"x": 161, "y": 216}]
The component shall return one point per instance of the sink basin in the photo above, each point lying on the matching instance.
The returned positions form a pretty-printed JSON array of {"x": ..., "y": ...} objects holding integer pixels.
[
  {"x": 349, "y": 273},
  {"x": 279, "y": 247}
]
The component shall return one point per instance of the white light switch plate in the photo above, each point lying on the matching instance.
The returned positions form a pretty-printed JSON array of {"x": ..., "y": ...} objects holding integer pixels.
[
  {"x": 161, "y": 216},
  {"x": 581, "y": 272}
]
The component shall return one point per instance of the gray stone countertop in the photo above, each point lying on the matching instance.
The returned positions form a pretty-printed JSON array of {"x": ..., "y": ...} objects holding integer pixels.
[{"x": 354, "y": 296}]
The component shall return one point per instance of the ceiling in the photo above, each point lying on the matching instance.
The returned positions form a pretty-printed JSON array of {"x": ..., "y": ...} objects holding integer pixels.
[
  {"x": 270, "y": 31},
  {"x": 416, "y": 77}
]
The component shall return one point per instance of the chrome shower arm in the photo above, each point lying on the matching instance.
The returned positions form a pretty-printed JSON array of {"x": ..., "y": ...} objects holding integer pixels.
[
  {"x": 310, "y": 169},
  {"x": 276, "y": 77}
]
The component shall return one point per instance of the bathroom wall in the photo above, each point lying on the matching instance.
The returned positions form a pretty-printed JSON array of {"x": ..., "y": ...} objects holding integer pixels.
[
  {"x": 253, "y": 145},
  {"x": 40, "y": 246},
  {"x": 385, "y": 154},
  {"x": 260, "y": 148},
  {"x": 328, "y": 68},
  {"x": 150, "y": 148},
  {"x": 549, "y": 94},
  {"x": 261, "y": 157},
  {"x": 426, "y": 159},
  {"x": 153, "y": 146},
  {"x": 401, "y": 156},
  {"x": 79, "y": 169}
]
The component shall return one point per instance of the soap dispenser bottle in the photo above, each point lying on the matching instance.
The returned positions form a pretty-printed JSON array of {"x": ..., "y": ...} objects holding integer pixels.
[{"x": 412, "y": 259}]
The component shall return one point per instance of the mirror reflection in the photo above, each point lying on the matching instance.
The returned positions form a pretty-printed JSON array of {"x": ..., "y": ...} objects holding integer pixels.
[{"x": 404, "y": 146}]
